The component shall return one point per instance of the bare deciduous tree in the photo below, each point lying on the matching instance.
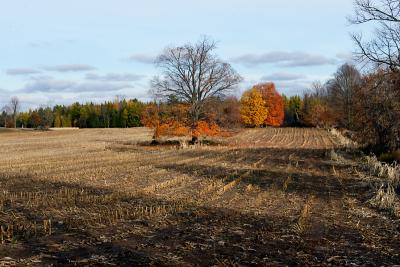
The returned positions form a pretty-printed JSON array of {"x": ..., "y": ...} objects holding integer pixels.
[
  {"x": 14, "y": 106},
  {"x": 341, "y": 90},
  {"x": 318, "y": 89},
  {"x": 193, "y": 74},
  {"x": 384, "y": 48}
]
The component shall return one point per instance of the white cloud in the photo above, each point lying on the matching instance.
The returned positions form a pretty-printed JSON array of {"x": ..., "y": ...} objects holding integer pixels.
[
  {"x": 143, "y": 58},
  {"x": 285, "y": 59},
  {"x": 40, "y": 77},
  {"x": 114, "y": 77},
  {"x": 346, "y": 57},
  {"x": 283, "y": 76},
  {"x": 22, "y": 71},
  {"x": 72, "y": 86},
  {"x": 293, "y": 87},
  {"x": 69, "y": 68}
]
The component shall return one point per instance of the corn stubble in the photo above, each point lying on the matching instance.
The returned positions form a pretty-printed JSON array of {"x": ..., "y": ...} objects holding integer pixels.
[{"x": 263, "y": 197}]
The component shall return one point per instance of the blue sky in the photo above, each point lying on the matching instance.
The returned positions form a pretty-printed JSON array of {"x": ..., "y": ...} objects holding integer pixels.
[{"x": 58, "y": 52}]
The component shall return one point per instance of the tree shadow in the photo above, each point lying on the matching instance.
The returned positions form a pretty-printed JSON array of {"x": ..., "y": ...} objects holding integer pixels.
[
  {"x": 192, "y": 234},
  {"x": 305, "y": 172}
]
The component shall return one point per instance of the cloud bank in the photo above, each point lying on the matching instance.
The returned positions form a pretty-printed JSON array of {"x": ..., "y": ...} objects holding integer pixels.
[
  {"x": 114, "y": 77},
  {"x": 69, "y": 68},
  {"x": 283, "y": 76},
  {"x": 143, "y": 58},
  {"x": 22, "y": 71},
  {"x": 66, "y": 86},
  {"x": 285, "y": 59}
]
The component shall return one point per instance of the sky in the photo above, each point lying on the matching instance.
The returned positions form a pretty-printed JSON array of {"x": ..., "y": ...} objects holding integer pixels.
[{"x": 60, "y": 52}]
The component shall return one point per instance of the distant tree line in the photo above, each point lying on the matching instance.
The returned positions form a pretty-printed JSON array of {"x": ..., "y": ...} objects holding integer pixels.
[
  {"x": 113, "y": 114},
  {"x": 367, "y": 106}
]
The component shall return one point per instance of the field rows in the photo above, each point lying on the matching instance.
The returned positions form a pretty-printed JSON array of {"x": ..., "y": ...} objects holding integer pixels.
[
  {"x": 112, "y": 201},
  {"x": 286, "y": 138}
]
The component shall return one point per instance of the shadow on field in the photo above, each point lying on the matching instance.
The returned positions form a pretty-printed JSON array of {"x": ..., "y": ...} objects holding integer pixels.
[
  {"x": 306, "y": 171},
  {"x": 194, "y": 235},
  {"x": 306, "y": 158}
]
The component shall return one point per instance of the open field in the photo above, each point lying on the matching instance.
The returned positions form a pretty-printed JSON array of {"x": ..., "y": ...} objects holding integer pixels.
[{"x": 272, "y": 197}]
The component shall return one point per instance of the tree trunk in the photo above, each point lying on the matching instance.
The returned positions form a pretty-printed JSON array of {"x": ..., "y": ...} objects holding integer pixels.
[
  {"x": 195, "y": 114},
  {"x": 195, "y": 140}
]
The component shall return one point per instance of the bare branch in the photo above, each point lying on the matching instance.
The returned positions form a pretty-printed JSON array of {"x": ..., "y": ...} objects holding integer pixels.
[
  {"x": 383, "y": 49},
  {"x": 192, "y": 73}
]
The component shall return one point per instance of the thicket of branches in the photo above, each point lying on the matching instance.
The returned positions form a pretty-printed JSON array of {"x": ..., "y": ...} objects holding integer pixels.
[{"x": 366, "y": 106}]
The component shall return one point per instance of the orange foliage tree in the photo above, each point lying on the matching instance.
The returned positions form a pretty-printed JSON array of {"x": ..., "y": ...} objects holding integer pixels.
[
  {"x": 273, "y": 102},
  {"x": 172, "y": 120},
  {"x": 204, "y": 129},
  {"x": 151, "y": 118},
  {"x": 166, "y": 119}
]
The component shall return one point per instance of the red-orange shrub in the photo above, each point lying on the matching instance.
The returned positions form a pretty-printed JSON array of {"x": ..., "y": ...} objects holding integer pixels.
[{"x": 204, "y": 129}]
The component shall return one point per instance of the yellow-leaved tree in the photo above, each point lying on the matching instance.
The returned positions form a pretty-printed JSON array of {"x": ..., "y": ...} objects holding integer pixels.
[{"x": 253, "y": 108}]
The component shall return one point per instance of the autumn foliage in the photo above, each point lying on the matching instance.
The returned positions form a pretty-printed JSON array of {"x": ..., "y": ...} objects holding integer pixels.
[
  {"x": 273, "y": 102},
  {"x": 253, "y": 108},
  {"x": 172, "y": 120},
  {"x": 151, "y": 118},
  {"x": 204, "y": 129},
  {"x": 316, "y": 112},
  {"x": 262, "y": 105},
  {"x": 224, "y": 112}
]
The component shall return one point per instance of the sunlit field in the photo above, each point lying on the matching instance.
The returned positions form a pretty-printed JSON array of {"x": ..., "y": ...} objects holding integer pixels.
[{"x": 262, "y": 197}]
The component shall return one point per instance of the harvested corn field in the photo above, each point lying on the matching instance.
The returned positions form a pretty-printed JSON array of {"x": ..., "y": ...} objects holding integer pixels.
[
  {"x": 296, "y": 138},
  {"x": 263, "y": 197}
]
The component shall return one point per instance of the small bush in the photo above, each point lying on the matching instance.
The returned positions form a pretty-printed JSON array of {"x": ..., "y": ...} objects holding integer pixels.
[{"x": 385, "y": 197}]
